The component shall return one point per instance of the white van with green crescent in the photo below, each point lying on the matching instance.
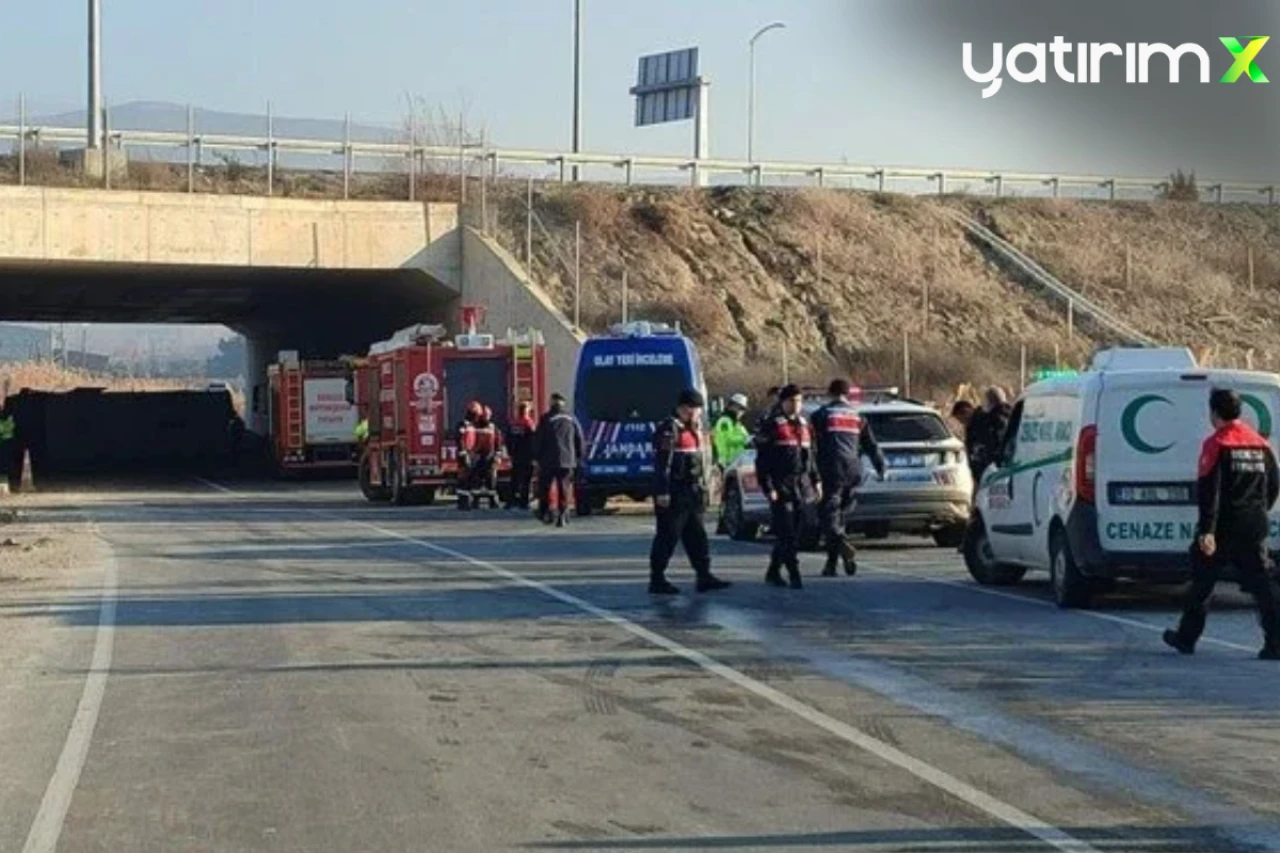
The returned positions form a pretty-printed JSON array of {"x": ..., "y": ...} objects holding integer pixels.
[{"x": 1096, "y": 480}]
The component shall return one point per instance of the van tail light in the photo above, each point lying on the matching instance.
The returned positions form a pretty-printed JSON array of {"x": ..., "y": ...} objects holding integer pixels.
[{"x": 1087, "y": 464}]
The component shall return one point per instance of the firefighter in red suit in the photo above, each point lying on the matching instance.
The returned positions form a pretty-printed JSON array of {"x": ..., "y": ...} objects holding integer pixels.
[
  {"x": 841, "y": 438},
  {"x": 520, "y": 444},
  {"x": 466, "y": 452},
  {"x": 1237, "y": 486},
  {"x": 486, "y": 445},
  {"x": 787, "y": 476}
]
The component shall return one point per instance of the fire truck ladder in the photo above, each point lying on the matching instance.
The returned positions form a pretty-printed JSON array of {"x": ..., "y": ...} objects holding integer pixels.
[
  {"x": 291, "y": 387},
  {"x": 524, "y": 364}
]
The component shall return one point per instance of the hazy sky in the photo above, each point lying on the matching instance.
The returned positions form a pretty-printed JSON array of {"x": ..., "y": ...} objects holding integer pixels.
[{"x": 876, "y": 81}]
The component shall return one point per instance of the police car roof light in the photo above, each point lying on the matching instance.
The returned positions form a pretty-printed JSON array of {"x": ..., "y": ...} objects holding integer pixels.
[{"x": 643, "y": 329}]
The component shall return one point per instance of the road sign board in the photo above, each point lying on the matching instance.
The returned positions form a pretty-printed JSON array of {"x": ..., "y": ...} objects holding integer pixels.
[{"x": 667, "y": 87}]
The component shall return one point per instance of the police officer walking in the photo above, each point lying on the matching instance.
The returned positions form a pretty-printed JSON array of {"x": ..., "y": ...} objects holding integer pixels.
[
  {"x": 1237, "y": 486},
  {"x": 842, "y": 438},
  {"x": 785, "y": 471},
  {"x": 680, "y": 498}
]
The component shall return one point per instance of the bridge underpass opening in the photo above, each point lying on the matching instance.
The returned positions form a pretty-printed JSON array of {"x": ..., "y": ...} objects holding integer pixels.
[{"x": 321, "y": 313}]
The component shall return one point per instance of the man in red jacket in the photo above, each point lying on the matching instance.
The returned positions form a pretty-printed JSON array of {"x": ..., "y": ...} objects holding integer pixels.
[{"x": 1237, "y": 486}]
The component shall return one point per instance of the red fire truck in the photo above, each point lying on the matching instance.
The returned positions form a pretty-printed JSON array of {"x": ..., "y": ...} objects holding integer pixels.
[
  {"x": 311, "y": 421},
  {"x": 414, "y": 389}
]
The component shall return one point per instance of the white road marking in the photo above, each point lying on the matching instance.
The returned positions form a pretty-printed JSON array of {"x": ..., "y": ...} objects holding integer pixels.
[
  {"x": 966, "y": 793},
  {"x": 1039, "y": 602},
  {"x": 47, "y": 826}
]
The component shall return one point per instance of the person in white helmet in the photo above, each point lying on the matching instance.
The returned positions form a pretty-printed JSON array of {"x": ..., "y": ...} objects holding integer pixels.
[{"x": 730, "y": 436}]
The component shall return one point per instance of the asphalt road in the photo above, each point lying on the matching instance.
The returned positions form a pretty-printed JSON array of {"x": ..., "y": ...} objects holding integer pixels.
[{"x": 287, "y": 668}]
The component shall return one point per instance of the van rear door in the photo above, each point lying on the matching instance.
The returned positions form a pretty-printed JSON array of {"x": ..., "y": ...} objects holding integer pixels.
[{"x": 1151, "y": 425}]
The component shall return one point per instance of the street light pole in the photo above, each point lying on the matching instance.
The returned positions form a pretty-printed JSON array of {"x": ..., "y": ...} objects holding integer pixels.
[
  {"x": 751, "y": 87},
  {"x": 94, "y": 124},
  {"x": 577, "y": 81}
]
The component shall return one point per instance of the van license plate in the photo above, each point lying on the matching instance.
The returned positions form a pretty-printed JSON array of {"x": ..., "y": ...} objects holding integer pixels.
[{"x": 1153, "y": 494}]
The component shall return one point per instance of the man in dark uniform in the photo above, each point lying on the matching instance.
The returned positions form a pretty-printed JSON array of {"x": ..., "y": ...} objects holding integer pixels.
[
  {"x": 785, "y": 471},
  {"x": 680, "y": 498},
  {"x": 520, "y": 434},
  {"x": 842, "y": 438},
  {"x": 1237, "y": 486},
  {"x": 558, "y": 449}
]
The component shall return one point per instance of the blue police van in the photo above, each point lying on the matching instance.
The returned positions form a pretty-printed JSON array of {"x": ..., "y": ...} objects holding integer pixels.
[{"x": 627, "y": 382}]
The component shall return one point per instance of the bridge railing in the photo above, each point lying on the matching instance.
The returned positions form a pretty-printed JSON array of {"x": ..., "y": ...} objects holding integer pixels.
[{"x": 477, "y": 160}]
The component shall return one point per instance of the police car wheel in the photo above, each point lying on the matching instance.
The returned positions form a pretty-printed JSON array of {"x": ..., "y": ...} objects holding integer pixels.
[
  {"x": 981, "y": 562},
  {"x": 1071, "y": 589}
]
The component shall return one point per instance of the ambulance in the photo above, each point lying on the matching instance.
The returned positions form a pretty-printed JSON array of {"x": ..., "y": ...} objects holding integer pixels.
[{"x": 1096, "y": 479}]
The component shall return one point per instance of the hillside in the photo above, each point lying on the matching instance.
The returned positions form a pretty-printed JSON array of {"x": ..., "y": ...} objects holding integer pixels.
[{"x": 842, "y": 276}]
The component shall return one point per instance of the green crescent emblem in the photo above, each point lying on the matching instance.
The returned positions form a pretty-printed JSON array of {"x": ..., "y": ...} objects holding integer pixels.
[
  {"x": 1129, "y": 424},
  {"x": 1260, "y": 410}
]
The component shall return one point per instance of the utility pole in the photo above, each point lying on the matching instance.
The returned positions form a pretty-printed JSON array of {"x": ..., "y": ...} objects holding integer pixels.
[
  {"x": 577, "y": 82},
  {"x": 94, "y": 124}
]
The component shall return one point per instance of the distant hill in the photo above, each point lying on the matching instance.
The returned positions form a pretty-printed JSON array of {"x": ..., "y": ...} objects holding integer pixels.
[{"x": 160, "y": 115}]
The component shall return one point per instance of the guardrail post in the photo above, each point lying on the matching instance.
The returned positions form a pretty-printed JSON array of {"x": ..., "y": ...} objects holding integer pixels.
[
  {"x": 346, "y": 156},
  {"x": 999, "y": 185},
  {"x": 271, "y": 145},
  {"x": 22, "y": 140},
  {"x": 821, "y": 175},
  {"x": 880, "y": 176},
  {"x": 1056, "y": 184},
  {"x": 1111, "y": 188},
  {"x": 191, "y": 149},
  {"x": 493, "y": 165},
  {"x": 942, "y": 183},
  {"x": 561, "y": 161},
  {"x": 1218, "y": 193},
  {"x": 413, "y": 162},
  {"x": 627, "y": 164}
]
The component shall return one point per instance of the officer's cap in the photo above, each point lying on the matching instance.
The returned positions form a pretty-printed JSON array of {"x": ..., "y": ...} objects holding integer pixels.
[
  {"x": 692, "y": 398},
  {"x": 789, "y": 391}
]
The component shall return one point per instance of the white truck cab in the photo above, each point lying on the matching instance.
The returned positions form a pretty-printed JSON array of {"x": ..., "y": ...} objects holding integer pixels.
[{"x": 1096, "y": 478}]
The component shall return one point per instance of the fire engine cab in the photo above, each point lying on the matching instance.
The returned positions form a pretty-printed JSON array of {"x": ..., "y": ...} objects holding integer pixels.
[
  {"x": 414, "y": 389},
  {"x": 312, "y": 424}
]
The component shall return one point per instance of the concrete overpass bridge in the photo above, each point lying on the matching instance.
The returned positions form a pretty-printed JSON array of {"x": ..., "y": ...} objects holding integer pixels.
[{"x": 322, "y": 277}]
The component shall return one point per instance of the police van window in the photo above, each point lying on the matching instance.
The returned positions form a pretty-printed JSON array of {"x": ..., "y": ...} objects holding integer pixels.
[
  {"x": 907, "y": 426},
  {"x": 632, "y": 393}
]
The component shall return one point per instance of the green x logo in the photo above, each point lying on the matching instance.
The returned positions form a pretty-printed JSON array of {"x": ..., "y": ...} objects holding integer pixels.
[{"x": 1244, "y": 54}]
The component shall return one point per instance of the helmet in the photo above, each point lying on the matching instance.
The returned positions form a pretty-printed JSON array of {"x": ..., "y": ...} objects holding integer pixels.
[
  {"x": 474, "y": 409},
  {"x": 740, "y": 400}
]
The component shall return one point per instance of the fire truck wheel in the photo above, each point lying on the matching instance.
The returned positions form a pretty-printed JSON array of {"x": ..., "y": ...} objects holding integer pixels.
[
  {"x": 399, "y": 493},
  {"x": 376, "y": 494}
]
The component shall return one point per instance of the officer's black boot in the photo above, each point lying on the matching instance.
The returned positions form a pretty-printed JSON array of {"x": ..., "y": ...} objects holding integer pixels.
[
  {"x": 829, "y": 570},
  {"x": 562, "y": 520},
  {"x": 708, "y": 582},
  {"x": 773, "y": 576},
  {"x": 850, "y": 557},
  {"x": 1176, "y": 641},
  {"x": 659, "y": 585},
  {"x": 793, "y": 573}
]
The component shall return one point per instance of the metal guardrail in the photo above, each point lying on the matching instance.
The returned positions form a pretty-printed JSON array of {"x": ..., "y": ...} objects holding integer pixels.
[
  {"x": 1076, "y": 302},
  {"x": 494, "y": 158}
]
